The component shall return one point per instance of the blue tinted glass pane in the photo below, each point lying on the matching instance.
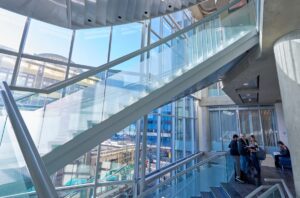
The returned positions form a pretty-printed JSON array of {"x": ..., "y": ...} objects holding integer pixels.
[
  {"x": 48, "y": 40},
  {"x": 125, "y": 39},
  {"x": 91, "y": 46}
]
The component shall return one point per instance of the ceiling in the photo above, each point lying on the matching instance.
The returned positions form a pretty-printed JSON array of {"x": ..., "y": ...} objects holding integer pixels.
[{"x": 279, "y": 18}]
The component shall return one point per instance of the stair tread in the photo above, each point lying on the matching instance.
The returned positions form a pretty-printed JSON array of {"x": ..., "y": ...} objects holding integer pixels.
[
  {"x": 230, "y": 190},
  {"x": 219, "y": 192},
  {"x": 207, "y": 195}
]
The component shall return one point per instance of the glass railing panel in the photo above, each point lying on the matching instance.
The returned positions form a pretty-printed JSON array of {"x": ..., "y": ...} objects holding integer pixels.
[
  {"x": 14, "y": 175},
  {"x": 76, "y": 193},
  {"x": 80, "y": 171},
  {"x": 78, "y": 107},
  {"x": 191, "y": 182},
  {"x": 122, "y": 190}
]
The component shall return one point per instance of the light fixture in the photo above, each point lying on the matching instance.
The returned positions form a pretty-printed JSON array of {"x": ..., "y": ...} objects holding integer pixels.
[{"x": 245, "y": 84}]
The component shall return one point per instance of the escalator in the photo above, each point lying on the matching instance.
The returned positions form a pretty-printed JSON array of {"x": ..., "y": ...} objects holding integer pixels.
[{"x": 122, "y": 93}]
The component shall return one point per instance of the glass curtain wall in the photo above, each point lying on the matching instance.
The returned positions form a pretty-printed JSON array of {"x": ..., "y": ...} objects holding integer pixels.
[
  {"x": 258, "y": 121},
  {"x": 36, "y": 54},
  {"x": 114, "y": 160}
]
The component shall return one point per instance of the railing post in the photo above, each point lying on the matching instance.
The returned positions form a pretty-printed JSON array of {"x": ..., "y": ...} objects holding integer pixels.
[{"x": 36, "y": 167}]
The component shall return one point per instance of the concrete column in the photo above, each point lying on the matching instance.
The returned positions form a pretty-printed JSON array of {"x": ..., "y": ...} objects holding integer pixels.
[
  {"x": 287, "y": 51},
  {"x": 203, "y": 129},
  {"x": 282, "y": 131}
]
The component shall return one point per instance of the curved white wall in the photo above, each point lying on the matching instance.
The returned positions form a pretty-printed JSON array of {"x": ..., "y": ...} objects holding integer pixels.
[{"x": 287, "y": 55}]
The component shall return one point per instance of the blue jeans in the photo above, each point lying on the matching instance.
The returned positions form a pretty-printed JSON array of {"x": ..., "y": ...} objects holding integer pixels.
[{"x": 244, "y": 159}]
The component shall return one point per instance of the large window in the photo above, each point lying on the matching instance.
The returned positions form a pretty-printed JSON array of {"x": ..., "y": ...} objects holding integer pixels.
[
  {"x": 45, "y": 39},
  {"x": 125, "y": 39},
  {"x": 91, "y": 46},
  {"x": 11, "y": 26},
  {"x": 257, "y": 121}
]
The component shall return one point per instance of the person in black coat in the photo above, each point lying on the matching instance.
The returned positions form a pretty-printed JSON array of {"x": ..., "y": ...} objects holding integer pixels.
[
  {"x": 234, "y": 152},
  {"x": 243, "y": 148}
]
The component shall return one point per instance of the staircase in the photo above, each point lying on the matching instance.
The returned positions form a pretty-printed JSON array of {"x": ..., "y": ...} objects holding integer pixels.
[
  {"x": 78, "y": 14},
  {"x": 112, "y": 103},
  {"x": 226, "y": 190}
]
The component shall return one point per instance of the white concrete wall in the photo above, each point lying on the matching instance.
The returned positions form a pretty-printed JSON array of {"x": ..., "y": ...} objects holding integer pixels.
[
  {"x": 282, "y": 130},
  {"x": 287, "y": 52},
  {"x": 204, "y": 131}
]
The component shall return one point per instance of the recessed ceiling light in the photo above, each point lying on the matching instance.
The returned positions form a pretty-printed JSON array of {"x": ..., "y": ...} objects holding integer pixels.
[
  {"x": 250, "y": 99},
  {"x": 246, "y": 84}
]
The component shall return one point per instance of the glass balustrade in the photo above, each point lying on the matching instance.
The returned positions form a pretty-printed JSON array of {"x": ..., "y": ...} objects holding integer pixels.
[{"x": 70, "y": 111}]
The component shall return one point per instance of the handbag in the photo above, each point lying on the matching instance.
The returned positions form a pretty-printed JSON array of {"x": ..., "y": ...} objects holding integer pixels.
[{"x": 261, "y": 154}]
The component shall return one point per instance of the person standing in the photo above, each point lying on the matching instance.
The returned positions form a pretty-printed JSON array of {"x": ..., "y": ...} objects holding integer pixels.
[
  {"x": 234, "y": 152},
  {"x": 253, "y": 158},
  {"x": 244, "y": 154}
]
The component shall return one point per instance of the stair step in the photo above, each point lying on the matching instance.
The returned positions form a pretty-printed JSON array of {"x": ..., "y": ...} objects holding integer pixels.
[
  {"x": 219, "y": 192},
  {"x": 230, "y": 190},
  {"x": 207, "y": 195}
]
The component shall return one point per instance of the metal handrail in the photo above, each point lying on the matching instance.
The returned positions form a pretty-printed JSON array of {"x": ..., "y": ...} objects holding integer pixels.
[
  {"x": 257, "y": 190},
  {"x": 172, "y": 167},
  {"x": 36, "y": 167},
  {"x": 287, "y": 190},
  {"x": 272, "y": 190},
  {"x": 104, "y": 67},
  {"x": 205, "y": 161}
]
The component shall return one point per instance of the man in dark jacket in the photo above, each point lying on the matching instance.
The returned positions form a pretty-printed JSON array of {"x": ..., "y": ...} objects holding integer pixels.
[
  {"x": 234, "y": 152},
  {"x": 244, "y": 153}
]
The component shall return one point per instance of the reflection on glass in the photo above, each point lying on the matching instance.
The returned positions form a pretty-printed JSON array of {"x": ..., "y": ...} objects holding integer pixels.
[
  {"x": 215, "y": 130},
  {"x": 15, "y": 177},
  {"x": 179, "y": 141},
  {"x": 117, "y": 157},
  {"x": 12, "y": 26},
  {"x": 269, "y": 127},
  {"x": 44, "y": 39},
  {"x": 229, "y": 127},
  {"x": 91, "y": 46},
  {"x": 81, "y": 171},
  {"x": 250, "y": 124},
  {"x": 124, "y": 190},
  {"x": 165, "y": 140},
  {"x": 7, "y": 64},
  {"x": 38, "y": 74}
]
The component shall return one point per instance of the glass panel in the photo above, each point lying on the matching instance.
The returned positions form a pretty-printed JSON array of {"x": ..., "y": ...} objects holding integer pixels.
[
  {"x": 38, "y": 74},
  {"x": 152, "y": 141},
  {"x": 7, "y": 64},
  {"x": 129, "y": 36},
  {"x": 80, "y": 171},
  {"x": 15, "y": 177},
  {"x": 77, "y": 193},
  {"x": 269, "y": 127},
  {"x": 12, "y": 26},
  {"x": 198, "y": 179},
  {"x": 229, "y": 127},
  {"x": 124, "y": 190},
  {"x": 215, "y": 131},
  {"x": 69, "y": 111},
  {"x": 165, "y": 140},
  {"x": 91, "y": 46},
  {"x": 117, "y": 157},
  {"x": 250, "y": 124},
  {"x": 48, "y": 41},
  {"x": 179, "y": 142},
  {"x": 188, "y": 136}
]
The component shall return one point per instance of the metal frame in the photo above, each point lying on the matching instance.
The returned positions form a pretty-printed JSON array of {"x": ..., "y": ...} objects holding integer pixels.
[
  {"x": 202, "y": 162},
  {"x": 93, "y": 71},
  {"x": 36, "y": 167},
  {"x": 92, "y": 137}
]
